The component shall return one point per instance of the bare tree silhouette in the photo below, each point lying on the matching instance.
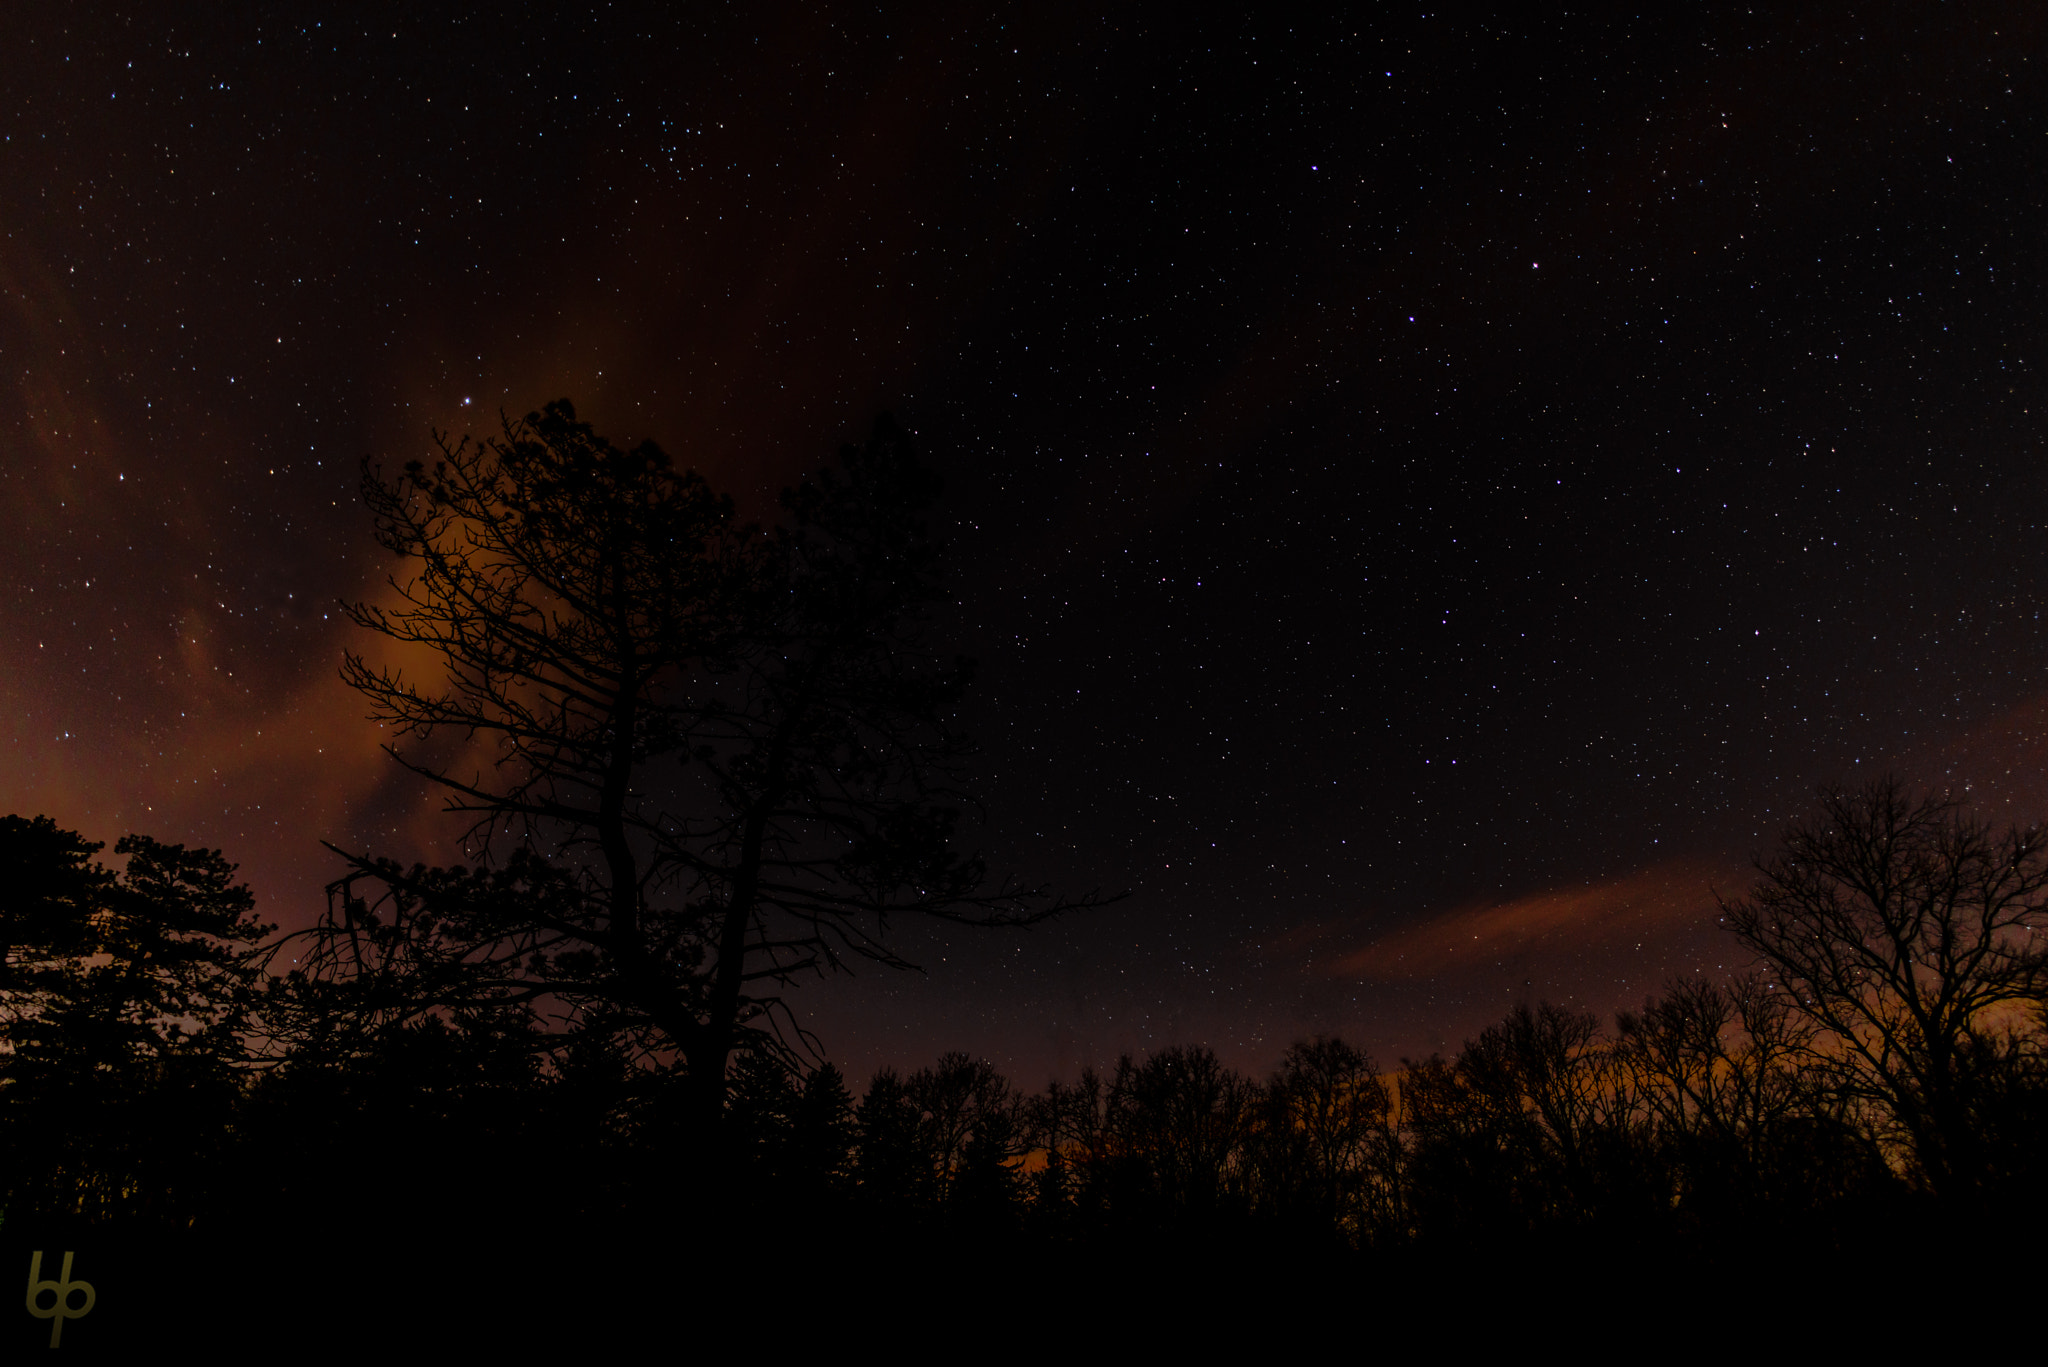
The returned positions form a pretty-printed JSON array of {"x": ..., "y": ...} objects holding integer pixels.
[{"x": 1911, "y": 935}]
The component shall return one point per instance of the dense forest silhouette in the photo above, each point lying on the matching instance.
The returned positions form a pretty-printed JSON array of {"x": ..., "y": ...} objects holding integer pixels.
[
  {"x": 1877, "y": 1083},
  {"x": 558, "y": 1085}
]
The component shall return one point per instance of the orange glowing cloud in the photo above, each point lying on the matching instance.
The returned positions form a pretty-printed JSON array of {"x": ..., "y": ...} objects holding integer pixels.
[
  {"x": 1999, "y": 766},
  {"x": 1651, "y": 904}
]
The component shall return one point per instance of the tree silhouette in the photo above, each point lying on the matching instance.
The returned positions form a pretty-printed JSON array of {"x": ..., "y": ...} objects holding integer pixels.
[
  {"x": 1717, "y": 1071},
  {"x": 794, "y": 1133},
  {"x": 971, "y": 1129},
  {"x": 1075, "y": 1125},
  {"x": 1327, "y": 1140},
  {"x": 1185, "y": 1115},
  {"x": 895, "y": 1169},
  {"x": 701, "y": 759},
  {"x": 1911, "y": 934},
  {"x": 943, "y": 1141},
  {"x": 124, "y": 1010}
]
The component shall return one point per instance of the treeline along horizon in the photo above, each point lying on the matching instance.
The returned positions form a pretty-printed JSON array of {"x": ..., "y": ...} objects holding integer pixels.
[{"x": 1885, "y": 1056}]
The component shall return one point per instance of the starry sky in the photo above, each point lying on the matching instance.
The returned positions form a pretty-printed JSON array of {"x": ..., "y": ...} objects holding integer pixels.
[{"x": 1432, "y": 491}]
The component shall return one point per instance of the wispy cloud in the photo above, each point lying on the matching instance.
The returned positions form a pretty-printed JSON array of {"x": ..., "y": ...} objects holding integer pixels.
[
  {"x": 1648, "y": 904},
  {"x": 2000, "y": 765}
]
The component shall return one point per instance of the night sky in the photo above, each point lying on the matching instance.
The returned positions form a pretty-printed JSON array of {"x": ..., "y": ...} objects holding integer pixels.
[{"x": 1431, "y": 491}]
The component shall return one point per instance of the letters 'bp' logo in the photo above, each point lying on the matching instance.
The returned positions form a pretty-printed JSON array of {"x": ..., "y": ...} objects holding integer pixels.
[{"x": 60, "y": 1308}]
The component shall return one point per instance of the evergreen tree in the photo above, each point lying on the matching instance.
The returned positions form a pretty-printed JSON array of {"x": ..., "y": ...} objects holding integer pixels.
[{"x": 125, "y": 1006}]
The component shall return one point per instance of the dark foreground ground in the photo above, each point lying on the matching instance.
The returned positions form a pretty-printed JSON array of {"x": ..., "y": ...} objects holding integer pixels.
[{"x": 658, "y": 1294}]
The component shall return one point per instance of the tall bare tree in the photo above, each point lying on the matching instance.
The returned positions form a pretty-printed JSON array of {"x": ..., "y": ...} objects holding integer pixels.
[{"x": 1912, "y": 935}]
